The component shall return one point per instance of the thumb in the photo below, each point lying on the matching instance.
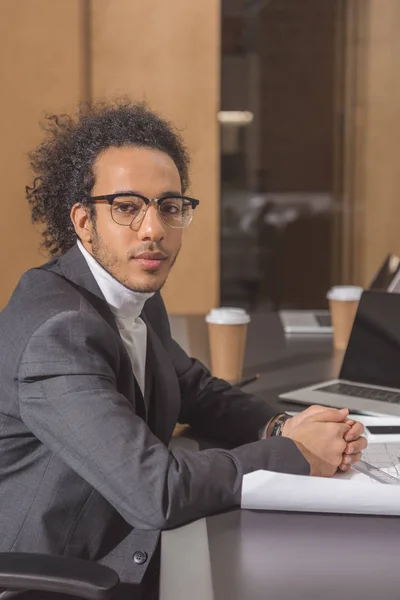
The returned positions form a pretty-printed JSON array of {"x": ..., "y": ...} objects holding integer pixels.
[{"x": 330, "y": 415}]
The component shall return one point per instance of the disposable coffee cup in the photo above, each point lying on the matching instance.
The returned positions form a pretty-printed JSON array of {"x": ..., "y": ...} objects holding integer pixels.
[
  {"x": 343, "y": 304},
  {"x": 227, "y": 331}
]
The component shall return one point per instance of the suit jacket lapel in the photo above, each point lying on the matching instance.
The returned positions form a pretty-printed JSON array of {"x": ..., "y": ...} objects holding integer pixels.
[
  {"x": 74, "y": 267},
  {"x": 149, "y": 377},
  {"x": 163, "y": 394}
]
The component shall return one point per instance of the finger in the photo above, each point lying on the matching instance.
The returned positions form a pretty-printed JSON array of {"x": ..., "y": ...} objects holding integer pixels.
[
  {"x": 334, "y": 435},
  {"x": 341, "y": 430},
  {"x": 351, "y": 459},
  {"x": 330, "y": 414},
  {"x": 355, "y": 432},
  {"x": 344, "y": 468},
  {"x": 339, "y": 446},
  {"x": 357, "y": 446},
  {"x": 314, "y": 409}
]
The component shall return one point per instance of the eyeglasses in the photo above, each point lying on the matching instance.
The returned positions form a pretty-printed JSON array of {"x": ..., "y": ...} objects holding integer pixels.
[{"x": 129, "y": 209}]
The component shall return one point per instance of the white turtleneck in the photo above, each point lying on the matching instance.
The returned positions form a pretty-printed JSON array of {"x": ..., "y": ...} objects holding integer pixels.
[{"x": 126, "y": 306}]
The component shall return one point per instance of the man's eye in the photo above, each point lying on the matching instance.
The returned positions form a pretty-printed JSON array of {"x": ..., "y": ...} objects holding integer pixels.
[
  {"x": 171, "y": 208},
  {"x": 127, "y": 208}
]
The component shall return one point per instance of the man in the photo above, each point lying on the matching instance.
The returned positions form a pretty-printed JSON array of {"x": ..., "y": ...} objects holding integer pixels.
[{"x": 92, "y": 383}]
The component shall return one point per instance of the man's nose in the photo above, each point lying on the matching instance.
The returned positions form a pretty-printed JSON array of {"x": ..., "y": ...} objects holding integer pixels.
[{"x": 152, "y": 226}]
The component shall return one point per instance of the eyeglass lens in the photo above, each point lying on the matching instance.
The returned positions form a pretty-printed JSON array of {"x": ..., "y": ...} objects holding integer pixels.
[{"x": 175, "y": 212}]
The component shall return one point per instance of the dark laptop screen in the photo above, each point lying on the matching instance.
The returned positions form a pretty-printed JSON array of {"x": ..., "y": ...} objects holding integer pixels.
[
  {"x": 373, "y": 352},
  {"x": 388, "y": 276}
]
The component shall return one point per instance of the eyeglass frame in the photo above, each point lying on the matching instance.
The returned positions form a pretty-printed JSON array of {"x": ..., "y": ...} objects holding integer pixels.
[{"x": 109, "y": 198}]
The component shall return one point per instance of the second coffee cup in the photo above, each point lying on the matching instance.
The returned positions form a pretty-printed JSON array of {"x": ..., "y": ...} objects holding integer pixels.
[
  {"x": 227, "y": 331},
  {"x": 343, "y": 304}
]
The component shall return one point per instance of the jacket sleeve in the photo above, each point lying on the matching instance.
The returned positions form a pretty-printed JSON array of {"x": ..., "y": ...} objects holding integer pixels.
[
  {"x": 69, "y": 400},
  {"x": 214, "y": 408}
]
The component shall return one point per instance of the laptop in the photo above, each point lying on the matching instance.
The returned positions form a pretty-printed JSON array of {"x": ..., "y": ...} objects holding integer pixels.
[
  {"x": 369, "y": 380},
  {"x": 319, "y": 321}
]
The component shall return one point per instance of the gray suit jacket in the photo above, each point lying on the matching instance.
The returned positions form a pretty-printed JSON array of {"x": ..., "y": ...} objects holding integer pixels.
[{"x": 85, "y": 468}]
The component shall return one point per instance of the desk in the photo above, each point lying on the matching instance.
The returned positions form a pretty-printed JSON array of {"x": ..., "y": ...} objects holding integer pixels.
[{"x": 256, "y": 555}]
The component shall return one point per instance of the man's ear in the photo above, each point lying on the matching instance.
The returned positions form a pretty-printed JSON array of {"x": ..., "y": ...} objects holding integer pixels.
[{"x": 80, "y": 217}]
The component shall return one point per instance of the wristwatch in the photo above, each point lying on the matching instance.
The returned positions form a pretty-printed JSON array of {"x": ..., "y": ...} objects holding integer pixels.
[{"x": 279, "y": 422}]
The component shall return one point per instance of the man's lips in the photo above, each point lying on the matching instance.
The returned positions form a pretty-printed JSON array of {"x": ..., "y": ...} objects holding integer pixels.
[{"x": 150, "y": 260}]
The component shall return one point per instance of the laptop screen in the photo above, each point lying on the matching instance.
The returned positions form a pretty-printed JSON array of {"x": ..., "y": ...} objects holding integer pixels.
[
  {"x": 388, "y": 276},
  {"x": 373, "y": 352}
]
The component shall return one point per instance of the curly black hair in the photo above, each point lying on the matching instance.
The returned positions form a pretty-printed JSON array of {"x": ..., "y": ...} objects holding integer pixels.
[{"x": 63, "y": 163}]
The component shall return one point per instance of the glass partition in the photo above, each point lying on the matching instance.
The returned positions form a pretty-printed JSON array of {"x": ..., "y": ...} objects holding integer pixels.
[{"x": 279, "y": 127}]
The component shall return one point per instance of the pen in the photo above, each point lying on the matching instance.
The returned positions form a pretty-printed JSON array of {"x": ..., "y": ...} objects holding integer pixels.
[{"x": 247, "y": 381}]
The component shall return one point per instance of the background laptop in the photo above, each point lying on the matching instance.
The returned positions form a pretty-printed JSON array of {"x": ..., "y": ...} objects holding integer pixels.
[
  {"x": 369, "y": 379},
  {"x": 319, "y": 321}
]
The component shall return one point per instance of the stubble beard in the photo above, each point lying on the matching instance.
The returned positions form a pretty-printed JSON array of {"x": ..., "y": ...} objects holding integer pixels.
[{"x": 110, "y": 263}]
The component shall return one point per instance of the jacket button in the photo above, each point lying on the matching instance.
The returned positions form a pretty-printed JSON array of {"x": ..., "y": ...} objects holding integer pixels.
[{"x": 140, "y": 557}]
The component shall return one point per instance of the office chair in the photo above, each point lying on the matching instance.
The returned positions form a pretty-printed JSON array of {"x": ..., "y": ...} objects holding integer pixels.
[{"x": 22, "y": 572}]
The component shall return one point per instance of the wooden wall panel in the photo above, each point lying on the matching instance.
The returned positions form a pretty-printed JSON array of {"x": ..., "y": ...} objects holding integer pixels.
[
  {"x": 40, "y": 70},
  {"x": 168, "y": 54},
  {"x": 374, "y": 192},
  {"x": 381, "y": 227}
]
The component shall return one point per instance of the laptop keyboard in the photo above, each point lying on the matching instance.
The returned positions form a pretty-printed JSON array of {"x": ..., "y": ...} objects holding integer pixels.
[
  {"x": 324, "y": 320},
  {"x": 359, "y": 391}
]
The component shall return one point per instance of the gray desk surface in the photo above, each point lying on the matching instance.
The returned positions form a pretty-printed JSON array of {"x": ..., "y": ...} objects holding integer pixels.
[{"x": 254, "y": 555}]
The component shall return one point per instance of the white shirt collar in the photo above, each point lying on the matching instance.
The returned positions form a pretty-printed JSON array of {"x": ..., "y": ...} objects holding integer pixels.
[{"x": 124, "y": 303}]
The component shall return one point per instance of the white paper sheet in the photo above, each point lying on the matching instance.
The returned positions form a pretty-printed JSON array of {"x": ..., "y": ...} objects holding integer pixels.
[{"x": 355, "y": 493}]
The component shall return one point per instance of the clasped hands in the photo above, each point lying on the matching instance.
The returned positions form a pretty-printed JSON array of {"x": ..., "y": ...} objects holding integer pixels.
[{"x": 327, "y": 438}]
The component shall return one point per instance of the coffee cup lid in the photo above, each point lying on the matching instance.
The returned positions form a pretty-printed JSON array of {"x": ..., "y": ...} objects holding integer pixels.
[
  {"x": 228, "y": 316},
  {"x": 345, "y": 292}
]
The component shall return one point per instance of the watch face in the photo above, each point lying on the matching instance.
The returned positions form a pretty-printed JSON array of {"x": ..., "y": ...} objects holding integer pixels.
[
  {"x": 280, "y": 423},
  {"x": 277, "y": 427}
]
